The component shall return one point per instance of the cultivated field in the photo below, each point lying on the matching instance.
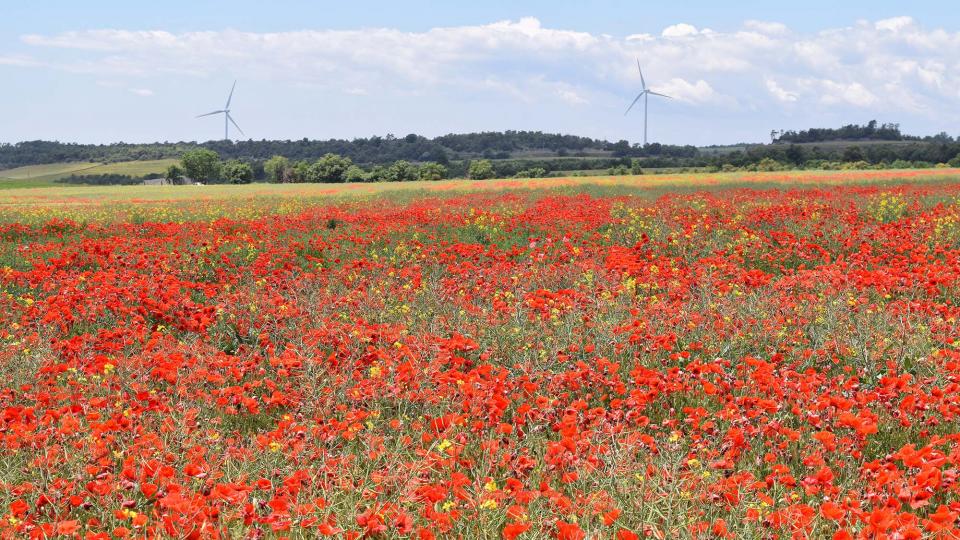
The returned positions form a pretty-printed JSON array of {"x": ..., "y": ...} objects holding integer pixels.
[
  {"x": 34, "y": 175},
  {"x": 712, "y": 356}
]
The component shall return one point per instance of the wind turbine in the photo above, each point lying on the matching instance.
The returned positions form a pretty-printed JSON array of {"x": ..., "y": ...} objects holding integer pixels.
[
  {"x": 227, "y": 119},
  {"x": 645, "y": 94}
]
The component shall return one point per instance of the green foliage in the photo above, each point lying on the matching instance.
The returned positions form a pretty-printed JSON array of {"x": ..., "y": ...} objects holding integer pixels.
[
  {"x": 512, "y": 152},
  {"x": 329, "y": 169},
  {"x": 853, "y": 153},
  {"x": 767, "y": 164},
  {"x": 432, "y": 171},
  {"x": 100, "y": 180},
  {"x": 237, "y": 172},
  {"x": 402, "y": 171},
  {"x": 536, "y": 172},
  {"x": 480, "y": 169},
  {"x": 855, "y": 165},
  {"x": 378, "y": 173},
  {"x": 297, "y": 173},
  {"x": 202, "y": 165},
  {"x": 173, "y": 173},
  {"x": 354, "y": 174},
  {"x": 795, "y": 154},
  {"x": 851, "y": 132},
  {"x": 901, "y": 164},
  {"x": 955, "y": 162},
  {"x": 276, "y": 168}
]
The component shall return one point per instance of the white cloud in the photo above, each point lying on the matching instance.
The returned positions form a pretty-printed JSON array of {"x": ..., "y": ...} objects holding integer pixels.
[
  {"x": 571, "y": 97},
  {"x": 779, "y": 92},
  {"x": 142, "y": 92},
  {"x": 849, "y": 93},
  {"x": 680, "y": 30},
  {"x": 698, "y": 92},
  {"x": 888, "y": 65},
  {"x": 894, "y": 24},
  {"x": 766, "y": 27}
]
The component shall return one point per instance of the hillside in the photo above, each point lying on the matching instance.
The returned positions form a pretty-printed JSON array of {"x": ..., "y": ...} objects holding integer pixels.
[
  {"x": 46, "y": 174},
  {"x": 512, "y": 153}
]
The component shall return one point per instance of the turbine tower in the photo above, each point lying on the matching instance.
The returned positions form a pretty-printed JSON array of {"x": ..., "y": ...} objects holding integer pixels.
[
  {"x": 645, "y": 94},
  {"x": 227, "y": 119}
]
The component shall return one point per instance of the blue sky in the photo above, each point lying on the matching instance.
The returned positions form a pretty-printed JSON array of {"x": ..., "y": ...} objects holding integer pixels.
[{"x": 133, "y": 71}]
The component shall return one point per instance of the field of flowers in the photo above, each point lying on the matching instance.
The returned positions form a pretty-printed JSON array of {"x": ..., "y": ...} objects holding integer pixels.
[{"x": 580, "y": 363}]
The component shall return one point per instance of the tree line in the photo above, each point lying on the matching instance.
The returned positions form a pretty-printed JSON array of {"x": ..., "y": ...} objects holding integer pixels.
[
  {"x": 206, "y": 166},
  {"x": 495, "y": 154},
  {"x": 203, "y": 165},
  {"x": 871, "y": 131},
  {"x": 374, "y": 150},
  {"x": 446, "y": 150}
]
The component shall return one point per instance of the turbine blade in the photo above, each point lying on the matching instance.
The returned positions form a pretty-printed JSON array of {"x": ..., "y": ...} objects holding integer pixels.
[
  {"x": 658, "y": 94},
  {"x": 635, "y": 100},
  {"x": 209, "y": 113},
  {"x": 643, "y": 82},
  {"x": 230, "y": 97},
  {"x": 230, "y": 118}
]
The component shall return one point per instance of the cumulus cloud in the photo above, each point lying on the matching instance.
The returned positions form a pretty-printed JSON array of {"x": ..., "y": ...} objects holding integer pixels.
[
  {"x": 680, "y": 30},
  {"x": 779, "y": 93},
  {"x": 894, "y": 24},
  {"x": 766, "y": 27},
  {"x": 697, "y": 92},
  {"x": 886, "y": 65},
  {"x": 846, "y": 93}
]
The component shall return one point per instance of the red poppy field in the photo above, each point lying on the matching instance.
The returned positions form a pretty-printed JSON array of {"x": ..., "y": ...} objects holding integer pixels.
[{"x": 579, "y": 363}]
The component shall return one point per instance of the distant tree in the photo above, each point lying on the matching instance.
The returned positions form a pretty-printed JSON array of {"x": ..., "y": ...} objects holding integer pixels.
[
  {"x": 795, "y": 154},
  {"x": 900, "y": 164},
  {"x": 621, "y": 148},
  {"x": 201, "y": 164},
  {"x": 853, "y": 153},
  {"x": 767, "y": 164},
  {"x": 354, "y": 174},
  {"x": 237, "y": 172},
  {"x": 955, "y": 162},
  {"x": 432, "y": 171},
  {"x": 297, "y": 173},
  {"x": 329, "y": 168},
  {"x": 276, "y": 168},
  {"x": 174, "y": 173},
  {"x": 480, "y": 169},
  {"x": 510, "y": 151},
  {"x": 378, "y": 173},
  {"x": 402, "y": 171}
]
